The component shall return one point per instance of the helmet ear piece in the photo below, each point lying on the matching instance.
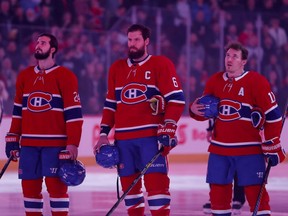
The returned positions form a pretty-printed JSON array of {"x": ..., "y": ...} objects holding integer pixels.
[
  {"x": 108, "y": 156},
  {"x": 211, "y": 105},
  {"x": 72, "y": 173}
]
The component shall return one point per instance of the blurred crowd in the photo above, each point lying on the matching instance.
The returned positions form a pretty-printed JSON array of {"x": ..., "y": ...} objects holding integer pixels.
[{"x": 92, "y": 34}]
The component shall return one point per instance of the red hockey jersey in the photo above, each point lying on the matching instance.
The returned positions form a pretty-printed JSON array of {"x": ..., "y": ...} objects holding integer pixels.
[
  {"x": 233, "y": 132},
  {"x": 47, "y": 108},
  {"x": 129, "y": 89}
]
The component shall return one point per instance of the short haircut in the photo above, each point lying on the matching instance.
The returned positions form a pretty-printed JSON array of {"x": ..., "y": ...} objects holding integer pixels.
[
  {"x": 53, "y": 41},
  {"x": 238, "y": 46},
  {"x": 146, "y": 32}
]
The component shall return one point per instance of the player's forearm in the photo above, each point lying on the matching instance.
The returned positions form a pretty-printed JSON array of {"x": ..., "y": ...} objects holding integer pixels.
[
  {"x": 174, "y": 111},
  {"x": 74, "y": 132}
]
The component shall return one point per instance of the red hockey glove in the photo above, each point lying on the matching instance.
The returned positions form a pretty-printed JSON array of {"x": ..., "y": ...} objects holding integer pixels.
[
  {"x": 12, "y": 146},
  {"x": 157, "y": 104},
  {"x": 273, "y": 151},
  {"x": 258, "y": 118},
  {"x": 166, "y": 137}
]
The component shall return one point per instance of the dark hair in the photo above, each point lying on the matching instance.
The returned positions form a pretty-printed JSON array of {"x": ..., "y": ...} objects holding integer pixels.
[
  {"x": 53, "y": 41},
  {"x": 146, "y": 32},
  {"x": 238, "y": 46}
]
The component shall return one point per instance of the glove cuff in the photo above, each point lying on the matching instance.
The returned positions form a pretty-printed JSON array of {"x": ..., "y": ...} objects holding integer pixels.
[
  {"x": 12, "y": 138},
  {"x": 169, "y": 127},
  {"x": 271, "y": 148},
  {"x": 64, "y": 155},
  {"x": 272, "y": 145},
  {"x": 104, "y": 130}
]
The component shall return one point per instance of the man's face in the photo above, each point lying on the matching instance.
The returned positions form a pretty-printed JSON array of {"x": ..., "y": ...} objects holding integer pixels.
[
  {"x": 136, "y": 45},
  {"x": 42, "y": 49},
  {"x": 234, "y": 62}
]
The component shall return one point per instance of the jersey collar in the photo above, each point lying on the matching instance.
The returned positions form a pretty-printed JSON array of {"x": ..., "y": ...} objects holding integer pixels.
[
  {"x": 225, "y": 76},
  {"x": 48, "y": 70},
  {"x": 130, "y": 63}
]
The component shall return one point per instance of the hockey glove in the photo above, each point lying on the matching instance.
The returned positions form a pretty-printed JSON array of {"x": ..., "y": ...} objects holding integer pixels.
[
  {"x": 257, "y": 118},
  {"x": 166, "y": 137},
  {"x": 12, "y": 146},
  {"x": 157, "y": 104},
  {"x": 64, "y": 157},
  {"x": 273, "y": 151}
]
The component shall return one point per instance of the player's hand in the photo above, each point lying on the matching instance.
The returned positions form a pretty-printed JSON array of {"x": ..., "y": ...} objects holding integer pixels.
[
  {"x": 273, "y": 150},
  {"x": 197, "y": 108},
  {"x": 166, "y": 137},
  {"x": 157, "y": 104},
  {"x": 73, "y": 151},
  {"x": 103, "y": 140},
  {"x": 12, "y": 146}
]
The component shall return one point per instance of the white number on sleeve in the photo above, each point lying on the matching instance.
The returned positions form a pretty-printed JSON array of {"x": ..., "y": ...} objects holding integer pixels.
[
  {"x": 76, "y": 97},
  {"x": 175, "y": 82},
  {"x": 272, "y": 97}
]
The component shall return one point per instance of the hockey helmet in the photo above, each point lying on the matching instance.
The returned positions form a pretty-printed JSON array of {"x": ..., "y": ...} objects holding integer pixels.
[
  {"x": 72, "y": 172},
  {"x": 108, "y": 156},
  {"x": 211, "y": 105}
]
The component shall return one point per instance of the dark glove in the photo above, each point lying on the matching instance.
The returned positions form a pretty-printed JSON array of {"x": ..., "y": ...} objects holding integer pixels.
[
  {"x": 166, "y": 137},
  {"x": 64, "y": 157},
  {"x": 273, "y": 151},
  {"x": 12, "y": 146}
]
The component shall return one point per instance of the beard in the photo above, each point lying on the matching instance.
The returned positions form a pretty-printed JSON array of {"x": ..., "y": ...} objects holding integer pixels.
[
  {"x": 136, "y": 54},
  {"x": 42, "y": 56}
]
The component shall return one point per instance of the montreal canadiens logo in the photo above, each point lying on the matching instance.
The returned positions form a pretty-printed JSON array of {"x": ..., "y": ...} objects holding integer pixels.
[
  {"x": 133, "y": 93},
  {"x": 39, "y": 102},
  {"x": 229, "y": 110}
]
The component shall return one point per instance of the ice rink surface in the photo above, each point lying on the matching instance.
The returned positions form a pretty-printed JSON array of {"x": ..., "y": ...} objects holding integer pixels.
[{"x": 97, "y": 194}]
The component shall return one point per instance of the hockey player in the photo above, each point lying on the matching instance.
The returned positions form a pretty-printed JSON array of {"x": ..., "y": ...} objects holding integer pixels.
[
  {"x": 236, "y": 146},
  {"x": 47, "y": 119},
  {"x": 132, "y": 83}
]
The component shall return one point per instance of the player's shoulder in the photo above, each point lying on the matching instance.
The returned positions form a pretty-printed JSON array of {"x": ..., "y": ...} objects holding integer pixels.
[
  {"x": 63, "y": 71},
  {"x": 160, "y": 59},
  {"x": 63, "y": 74},
  {"x": 254, "y": 75},
  {"x": 26, "y": 72},
  {"x": 118, "y": 65},
  {"x": 217, "y": 75},
  {"x": 119, "y": 62},
  {"x": 29, "y": 69}
]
